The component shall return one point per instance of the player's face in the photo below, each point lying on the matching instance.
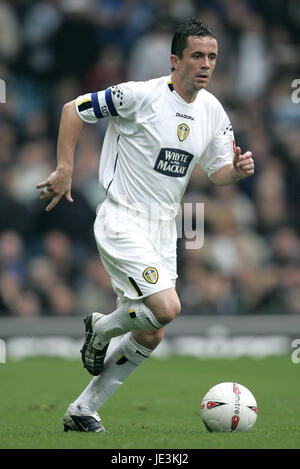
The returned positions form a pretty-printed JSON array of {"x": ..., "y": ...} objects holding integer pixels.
[{"x": 197, "y": 63}]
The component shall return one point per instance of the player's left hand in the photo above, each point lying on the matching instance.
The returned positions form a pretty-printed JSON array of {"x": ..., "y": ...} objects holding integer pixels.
[{"x": 243, "y": 164}]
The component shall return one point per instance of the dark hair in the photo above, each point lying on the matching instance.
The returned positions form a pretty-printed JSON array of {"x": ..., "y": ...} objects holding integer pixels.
[{"x": 184, "y": 30}]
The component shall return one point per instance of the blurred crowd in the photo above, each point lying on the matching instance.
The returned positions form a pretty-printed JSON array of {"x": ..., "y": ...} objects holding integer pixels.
[{"x": 53, "y": 50}]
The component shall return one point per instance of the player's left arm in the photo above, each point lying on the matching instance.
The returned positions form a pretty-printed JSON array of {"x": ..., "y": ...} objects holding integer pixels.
[{"x": 241, "y": 167}]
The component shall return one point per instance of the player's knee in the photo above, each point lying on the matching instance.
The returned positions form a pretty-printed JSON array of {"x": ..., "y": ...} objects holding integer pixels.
[
  {"x": 149, "y": 338},
  {"x": 168, "y": 310},
  {"x": 165, "y": 305}
]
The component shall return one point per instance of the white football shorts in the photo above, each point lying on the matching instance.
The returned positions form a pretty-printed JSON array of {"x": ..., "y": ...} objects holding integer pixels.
[{"x": 139, "y": 254}]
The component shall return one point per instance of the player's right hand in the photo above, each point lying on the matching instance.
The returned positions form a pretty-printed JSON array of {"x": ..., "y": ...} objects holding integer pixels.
[{"x": 55, "y": 187}]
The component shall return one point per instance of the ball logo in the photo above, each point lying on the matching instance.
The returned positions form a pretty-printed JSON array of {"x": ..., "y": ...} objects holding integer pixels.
[
  {"x": 212, "y": 404},
  {"x": 234, "y": 422},
  {"x": 253, "y": 408},
  {"x": 150, "y": 275},
  {"x": 183, "y": 131},
  {"x": 236, "y": 389}
]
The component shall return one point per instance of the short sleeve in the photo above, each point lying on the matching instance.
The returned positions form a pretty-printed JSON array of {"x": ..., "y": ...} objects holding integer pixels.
[
  {"x": 220, "y": 150},
  {"x": 115, "y": 101}
]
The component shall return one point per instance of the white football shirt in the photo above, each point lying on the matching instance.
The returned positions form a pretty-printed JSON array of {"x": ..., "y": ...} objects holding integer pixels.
[{"x": 153, "y": 141}]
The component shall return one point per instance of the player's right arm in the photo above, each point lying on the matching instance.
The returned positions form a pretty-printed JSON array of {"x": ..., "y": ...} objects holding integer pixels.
[
  {"x": 114, "y": 102},
  {"x": 58, "y": 184}
]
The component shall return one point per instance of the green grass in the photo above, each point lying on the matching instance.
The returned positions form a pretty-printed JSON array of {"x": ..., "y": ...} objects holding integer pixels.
[{"x": 157, "y": 408}]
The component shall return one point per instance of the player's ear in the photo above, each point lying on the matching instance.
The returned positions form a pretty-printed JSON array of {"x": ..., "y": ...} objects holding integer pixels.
[{"x": 174, "y": 61}]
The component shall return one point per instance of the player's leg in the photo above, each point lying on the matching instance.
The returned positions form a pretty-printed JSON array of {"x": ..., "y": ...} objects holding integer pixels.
[
  {"x": 154, "y": 312},
  {"x": 124, "y": 358},
  {"x": 130, "y": 254},
  {"x": 150, "y": 338}
]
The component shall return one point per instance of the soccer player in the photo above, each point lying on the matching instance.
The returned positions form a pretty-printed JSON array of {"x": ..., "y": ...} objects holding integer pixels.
[{"x": 158, "y": 131}]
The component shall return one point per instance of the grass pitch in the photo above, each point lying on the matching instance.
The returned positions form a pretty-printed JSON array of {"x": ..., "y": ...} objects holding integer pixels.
[{"x": 157, "y": 407}]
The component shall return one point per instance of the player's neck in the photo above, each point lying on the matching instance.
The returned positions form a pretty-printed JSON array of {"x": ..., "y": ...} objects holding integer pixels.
[{"x": 185, "y": 92}]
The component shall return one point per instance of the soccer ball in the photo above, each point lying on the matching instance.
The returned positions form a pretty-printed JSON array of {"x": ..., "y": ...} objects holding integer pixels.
[{"x": 229, "y": 407}]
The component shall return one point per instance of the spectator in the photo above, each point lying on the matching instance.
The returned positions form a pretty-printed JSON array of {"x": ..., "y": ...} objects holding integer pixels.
[
  {"x": 10, "y": 33},
  {"x": 149, "y": 57}
]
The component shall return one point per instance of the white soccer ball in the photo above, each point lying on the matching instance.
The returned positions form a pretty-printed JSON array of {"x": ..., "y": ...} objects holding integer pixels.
[{"x": 229, "y": 407}]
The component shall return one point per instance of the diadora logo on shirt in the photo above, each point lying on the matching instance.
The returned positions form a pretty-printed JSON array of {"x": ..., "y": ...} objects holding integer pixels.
[
  {"x": 183, "y": 131},
  {"x": 184, "y": 116},
  {"x": 173, "y": 162}
]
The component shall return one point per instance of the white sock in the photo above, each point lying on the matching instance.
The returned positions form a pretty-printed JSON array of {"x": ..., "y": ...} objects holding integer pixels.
[
  {"x": 124, "y": 358},
  {"x": 128, "y": 317}
]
